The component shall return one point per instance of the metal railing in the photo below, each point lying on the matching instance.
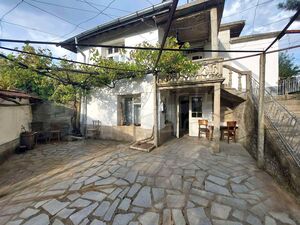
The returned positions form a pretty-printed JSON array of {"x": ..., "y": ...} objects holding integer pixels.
[
  {"x": 284, "y": 122},
  {"x": 289, "y": 85}
]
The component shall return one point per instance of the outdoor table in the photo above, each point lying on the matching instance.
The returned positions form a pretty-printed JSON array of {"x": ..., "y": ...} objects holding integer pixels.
[{"x": 223, "y": 127}]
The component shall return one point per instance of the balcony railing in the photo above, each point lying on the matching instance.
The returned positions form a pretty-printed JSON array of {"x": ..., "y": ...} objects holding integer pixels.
[
  {"x": 289, "y": 85},
  {"x": 210, "y": 70}
]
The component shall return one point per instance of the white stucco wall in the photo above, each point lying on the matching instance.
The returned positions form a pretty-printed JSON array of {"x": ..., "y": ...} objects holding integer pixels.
[
  {"x": 103, "y": 103},
  {"x": 134, "y": 40},
  {"x": 252, "y": 64},
  {"x": 12, "y": 119}
]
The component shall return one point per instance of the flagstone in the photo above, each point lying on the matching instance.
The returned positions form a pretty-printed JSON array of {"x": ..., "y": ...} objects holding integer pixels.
[
  {"x": 111, "y": 210},
  {"x": 41, "y": 219},
  {"x": 79, "y": 216},
  {"x": 149, "y": 218},
  {"x": 143, "y": 198},
  {"x": 28, "y": 213},
  {"x": 94, "y": 195},
  {"x": 102, "y": 209},
  {"x": 54, "y": 206}
]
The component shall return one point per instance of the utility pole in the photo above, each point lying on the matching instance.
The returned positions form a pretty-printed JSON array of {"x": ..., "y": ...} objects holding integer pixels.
[{"x": 261, "y": 113}]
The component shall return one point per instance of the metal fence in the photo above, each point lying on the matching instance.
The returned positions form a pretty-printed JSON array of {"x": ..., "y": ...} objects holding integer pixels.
[
  {"x": 284, "y": 122},
  {"x": 289, "y": 85}
]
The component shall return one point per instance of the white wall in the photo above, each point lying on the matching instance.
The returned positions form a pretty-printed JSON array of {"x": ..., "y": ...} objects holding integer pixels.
[
  {"x": 11, "y": 120},
  {"x": 134, "y": 40},
  {"x": 252, "y": 64},
  {"x": 103, "y": 103}
]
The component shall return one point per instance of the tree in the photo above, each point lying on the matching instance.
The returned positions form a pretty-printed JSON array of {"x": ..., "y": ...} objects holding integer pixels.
[
  {"x": 290, "y": 5},
  {"x": 287, "y": 68}
]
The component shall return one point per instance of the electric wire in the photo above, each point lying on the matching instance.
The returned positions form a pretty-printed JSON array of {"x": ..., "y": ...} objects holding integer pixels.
[
  {"x": 68, "y": 60},
  {"x": 123, "y": 46}
]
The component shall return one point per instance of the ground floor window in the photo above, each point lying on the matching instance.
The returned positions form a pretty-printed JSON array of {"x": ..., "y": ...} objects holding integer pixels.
[
  {"x": 131, "y": 110},
  {"x": 196, "y": 107}
]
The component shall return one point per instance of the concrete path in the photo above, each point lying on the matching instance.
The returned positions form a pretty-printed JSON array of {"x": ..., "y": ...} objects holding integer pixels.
[{"x": 102, "y": 182}]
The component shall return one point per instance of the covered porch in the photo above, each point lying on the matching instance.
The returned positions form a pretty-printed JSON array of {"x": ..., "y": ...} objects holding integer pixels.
[
  {"x": 181, "y": 107},
  {"x": 183, "y": 101}
]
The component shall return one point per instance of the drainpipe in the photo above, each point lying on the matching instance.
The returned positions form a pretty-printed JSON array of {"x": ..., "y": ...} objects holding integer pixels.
[{"x": 83, "y": 99}]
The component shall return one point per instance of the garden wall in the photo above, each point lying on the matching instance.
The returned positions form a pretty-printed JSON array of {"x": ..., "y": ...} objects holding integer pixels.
[{"x": 12, "y": 118}]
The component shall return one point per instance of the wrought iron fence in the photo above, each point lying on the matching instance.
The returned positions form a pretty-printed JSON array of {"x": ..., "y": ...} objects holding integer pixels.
[
  {"x": 289, "y": 85},
  {"x": 284, "y": 122}
]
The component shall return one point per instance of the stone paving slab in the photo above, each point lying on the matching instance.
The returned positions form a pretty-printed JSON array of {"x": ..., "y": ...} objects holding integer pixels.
[{"x": 101, "y": 182}]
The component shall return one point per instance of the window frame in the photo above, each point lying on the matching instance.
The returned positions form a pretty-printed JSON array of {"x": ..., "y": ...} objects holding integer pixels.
[
  {"x": 135, "y": 102},
  {"x": 195, "y": 113}
]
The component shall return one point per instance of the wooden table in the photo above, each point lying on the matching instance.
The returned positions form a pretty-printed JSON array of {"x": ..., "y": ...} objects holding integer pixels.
[{"x": 223, "y": 127}]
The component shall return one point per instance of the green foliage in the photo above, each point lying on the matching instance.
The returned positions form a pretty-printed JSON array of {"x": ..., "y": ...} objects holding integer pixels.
[
  {"x": 13, "y": 76},
  {"x": 287, "y": 68},
  {"x": 63, "y": 81},
  {"x": 171, "y": 61},
  {"x": 290, "y": 5}
]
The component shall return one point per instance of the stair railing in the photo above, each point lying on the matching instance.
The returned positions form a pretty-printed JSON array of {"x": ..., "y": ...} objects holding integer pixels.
[{"x": 283, "y": 121}]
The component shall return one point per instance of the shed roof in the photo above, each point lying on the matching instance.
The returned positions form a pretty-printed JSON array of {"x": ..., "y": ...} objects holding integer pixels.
[{"x": 17, "y": 94}]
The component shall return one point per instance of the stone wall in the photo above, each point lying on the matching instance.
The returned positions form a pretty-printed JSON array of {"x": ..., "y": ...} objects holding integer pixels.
[
  {"x": 53, "y": 115},
  {"x": 278, "y": 163}
]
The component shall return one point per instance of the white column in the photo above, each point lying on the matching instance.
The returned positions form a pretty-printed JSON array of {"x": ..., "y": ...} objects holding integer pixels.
[
  {"x": 261, "y": 113},
  {"x": 216, "y": 117},
  {"x": 214, "y": 31}
]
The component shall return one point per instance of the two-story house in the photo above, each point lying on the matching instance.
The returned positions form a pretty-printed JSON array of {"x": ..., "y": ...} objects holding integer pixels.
[{"x": 127, "y": 112}]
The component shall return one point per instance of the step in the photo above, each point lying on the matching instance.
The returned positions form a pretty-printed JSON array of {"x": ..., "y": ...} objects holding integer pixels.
[
  {"x": 288, "y": 97},
  {"x": 289, "y": 102}
]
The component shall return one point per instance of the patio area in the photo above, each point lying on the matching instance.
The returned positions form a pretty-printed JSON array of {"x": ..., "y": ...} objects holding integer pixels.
[{"x": 104, "y": 182}]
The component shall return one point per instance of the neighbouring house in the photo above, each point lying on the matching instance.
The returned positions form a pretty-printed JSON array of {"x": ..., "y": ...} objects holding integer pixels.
[{"x": 127, "y": 111}]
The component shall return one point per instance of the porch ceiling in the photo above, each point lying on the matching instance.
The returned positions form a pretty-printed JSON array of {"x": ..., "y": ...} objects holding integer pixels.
[{"x": 193, "y": 28}]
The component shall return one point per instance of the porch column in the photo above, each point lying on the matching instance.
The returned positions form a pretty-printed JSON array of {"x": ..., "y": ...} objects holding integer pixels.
[
  {"x": 214, "y": 31},
  {"x": 261, "y": 113},
  {"x": 155, "y": 111},
  {"x": 216, "y": 117}
]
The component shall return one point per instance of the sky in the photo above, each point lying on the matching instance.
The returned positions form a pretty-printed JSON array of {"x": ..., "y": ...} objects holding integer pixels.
[{"x": 56, "y": 20}]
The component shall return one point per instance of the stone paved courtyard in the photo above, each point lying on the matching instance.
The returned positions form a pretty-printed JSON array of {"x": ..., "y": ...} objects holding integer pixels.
[{"x": 103, "y": 182}]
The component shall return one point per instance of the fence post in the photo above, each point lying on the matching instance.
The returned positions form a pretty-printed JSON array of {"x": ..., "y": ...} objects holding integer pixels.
[{"x": 261, "y": 116}]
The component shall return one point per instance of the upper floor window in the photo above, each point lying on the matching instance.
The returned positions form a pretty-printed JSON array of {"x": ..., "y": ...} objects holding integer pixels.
[{"x": 112, "y": 50}]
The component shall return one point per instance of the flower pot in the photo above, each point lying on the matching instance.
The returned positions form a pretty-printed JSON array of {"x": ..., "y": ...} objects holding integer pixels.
[{"x": 27, "y": 139}]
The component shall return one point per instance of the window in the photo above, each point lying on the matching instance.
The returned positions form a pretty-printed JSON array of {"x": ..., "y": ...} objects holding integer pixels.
[
  {"x": 196, "y": 107},
  {"x": 132, "y": 110},
  {"x": 112, "y": 50}
]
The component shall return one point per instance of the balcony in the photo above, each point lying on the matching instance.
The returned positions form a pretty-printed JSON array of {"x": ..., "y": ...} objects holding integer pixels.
[{"x": 211, "y": 71}]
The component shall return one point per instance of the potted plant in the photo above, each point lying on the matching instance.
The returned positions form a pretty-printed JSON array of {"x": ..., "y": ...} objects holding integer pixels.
[{"x": 27, "y": 138}]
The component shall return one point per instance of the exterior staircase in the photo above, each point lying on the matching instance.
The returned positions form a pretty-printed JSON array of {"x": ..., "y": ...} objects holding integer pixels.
[
  {"x": 291, "y": 103},
  {"x": 279, "y": 116}
]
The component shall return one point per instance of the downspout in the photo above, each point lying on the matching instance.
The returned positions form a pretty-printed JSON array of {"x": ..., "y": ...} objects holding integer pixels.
[{"x": 83, "y": 100}]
